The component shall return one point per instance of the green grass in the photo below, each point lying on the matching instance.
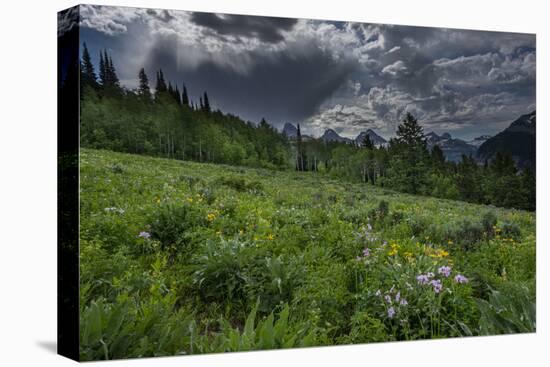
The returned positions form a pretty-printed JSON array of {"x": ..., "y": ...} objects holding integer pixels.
[{"x": 243, "y": 259}]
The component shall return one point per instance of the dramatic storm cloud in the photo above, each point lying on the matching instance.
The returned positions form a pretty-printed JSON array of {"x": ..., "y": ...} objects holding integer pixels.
[{"x": 346, "y": 76}]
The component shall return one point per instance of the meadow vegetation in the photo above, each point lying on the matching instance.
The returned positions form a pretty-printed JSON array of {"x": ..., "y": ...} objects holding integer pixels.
[{"x": 181, "y": 257}]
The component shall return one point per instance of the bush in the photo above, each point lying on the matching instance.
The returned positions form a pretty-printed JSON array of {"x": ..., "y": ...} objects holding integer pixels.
[
  {"x": 241, "y": 185},
  {"x": 510, "y": 230},
  {"x": 172, "y": 224},
  {"x": 273, "y": 280},
  {"x": 510, "y": 312},
  {"x": 220, "y": 271},
  {"x": 489, "y": 221}
]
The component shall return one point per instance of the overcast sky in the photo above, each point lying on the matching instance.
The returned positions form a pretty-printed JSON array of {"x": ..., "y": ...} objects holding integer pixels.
[{"x": 322, "y": 74}]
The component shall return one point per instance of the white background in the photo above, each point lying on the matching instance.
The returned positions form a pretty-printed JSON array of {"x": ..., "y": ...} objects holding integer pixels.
[{"x": 28, "y": 181}]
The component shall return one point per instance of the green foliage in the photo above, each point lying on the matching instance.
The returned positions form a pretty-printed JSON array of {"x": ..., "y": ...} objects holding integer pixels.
[
  {"x": 179, "y": 257},
  {"x": 172, "y": 225},
  {"x": 509, "y": 312}
]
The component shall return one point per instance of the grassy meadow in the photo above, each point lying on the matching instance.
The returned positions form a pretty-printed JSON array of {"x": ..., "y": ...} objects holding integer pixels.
[{"x": 179, "y": 257}]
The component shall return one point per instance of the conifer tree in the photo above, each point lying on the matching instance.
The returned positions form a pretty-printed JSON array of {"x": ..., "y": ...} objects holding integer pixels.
[
  {"x": 87, "y": 68},
  {"x": 206, "y": 103},
  {"x": 144, "y": 91},
  {"x": 184, "y": 96},
  {"x": 161, "y": 84},
  {"x": 113, "y": 78},
  {"x": 102, "y": 69},
  {"x": 177, "y": 95}
]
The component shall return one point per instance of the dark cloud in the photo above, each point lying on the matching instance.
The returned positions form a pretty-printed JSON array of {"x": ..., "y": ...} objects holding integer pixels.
[
  {"x": 267, "y": 29},
  {"x": 281, "y": 87},
  {"x": 163, "y": 15},
  {"x": 327, "y": 74}
]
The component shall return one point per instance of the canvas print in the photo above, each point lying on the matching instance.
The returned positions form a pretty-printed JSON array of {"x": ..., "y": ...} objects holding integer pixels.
[{"x": 240, "y": 183}]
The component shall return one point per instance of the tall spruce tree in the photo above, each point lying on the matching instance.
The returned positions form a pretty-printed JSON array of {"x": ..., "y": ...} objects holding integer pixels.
[
  {"x": 206, "y": 103},
  {"x": 184, "y": 96},
  {"x": 102, "y": 69},
  {"x": 161, "y": 83},
  {"x": 87, "y": 68},
  {"x": 144, "y": 91}
]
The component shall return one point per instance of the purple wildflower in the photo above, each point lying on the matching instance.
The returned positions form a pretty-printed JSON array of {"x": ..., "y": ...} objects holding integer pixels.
[
  {"x": 366, "y": 252},
  {"x": 145, "y": 235},
  {"x": 437, "y": 285},
  {"x": 422, "y": 279},
  {"x": 403, "y": 302},
  {"x": 387, "y": 298},
  {"x": 391, "y": 312},
  {"x": 430, "y": 274},
  {"x": 445, "y": 271},
  {"x": 397, "y": 296},
  {"x": 461, "y": 279}
]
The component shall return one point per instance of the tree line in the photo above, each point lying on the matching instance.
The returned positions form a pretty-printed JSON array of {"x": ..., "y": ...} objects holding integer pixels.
[{"x": 168, "y": 123}]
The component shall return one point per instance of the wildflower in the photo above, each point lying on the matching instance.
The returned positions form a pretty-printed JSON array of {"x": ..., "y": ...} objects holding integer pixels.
[
  {"x": 190, "y": 200},
  {"x": 369, "y": 227},
  {"x": 378, "y": 293},
  {"x": 445, "y": 271},
  {"x": 144, "y": 234},
  {"x": 270, "y": 237},
  {"x": 461, "y": 279},
  {"x": 437, "y": 285},
  {"x": 210, "y": 217},
  {"x": 403, "y": 302},
  {"x": 387, "y": 298},
  {"x": 397, "y": 296},
  {"x": 391, "y": 312},
  {"x": 366, "y": 252},
  {"x": 450, "y": 242},
  {"x": 422, "y": 279}
]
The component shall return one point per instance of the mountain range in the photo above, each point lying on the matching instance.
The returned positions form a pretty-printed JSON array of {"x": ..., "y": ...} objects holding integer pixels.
[{"x": 518, "y": 140}]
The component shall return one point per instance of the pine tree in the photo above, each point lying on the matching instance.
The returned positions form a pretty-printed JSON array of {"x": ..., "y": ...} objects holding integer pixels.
[
  {"x": 113, "y": 78},
  {"x": 144, "y": 91},
  {"x": 206, "y": 103},
  {"x": 161, "y": 84},
  {"x": 184, "y": 97},
  {"x": 102, "y": 69},
  {"x": 87, "y": 68},
  {"x": 410, "y": 132},
  {"x": 201, "y": 104},
  {"x": 177, "y": 95}
]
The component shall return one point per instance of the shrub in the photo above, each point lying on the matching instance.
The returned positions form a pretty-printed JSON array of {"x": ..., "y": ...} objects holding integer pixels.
[
  {"x": 273, "y": 280},
  {"x": 171, "y": 225},
  {"x": 489, "y": 221},
  {"x": 241, "y": 185},
  {"x": 220, "y": 271},
  {"x": 510, "y": 312},
  {"x": 510, "y": 230}
]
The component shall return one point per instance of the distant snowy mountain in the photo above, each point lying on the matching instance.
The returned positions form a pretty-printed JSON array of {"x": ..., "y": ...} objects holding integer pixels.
[
  {"x": 376, "y": 139},
  {"x": 476, "y": 142},
  {"x": 453, "y": 149},
  {"x": 290, "y": 131},
  {"x": 331, "y": 135},
  {"x": 518, "y": 140}
]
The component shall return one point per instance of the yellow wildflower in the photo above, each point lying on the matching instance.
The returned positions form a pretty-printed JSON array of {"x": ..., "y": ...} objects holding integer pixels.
[
  {"x": 270, "y": 237},
  {"x": 210, "y": 217}
]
